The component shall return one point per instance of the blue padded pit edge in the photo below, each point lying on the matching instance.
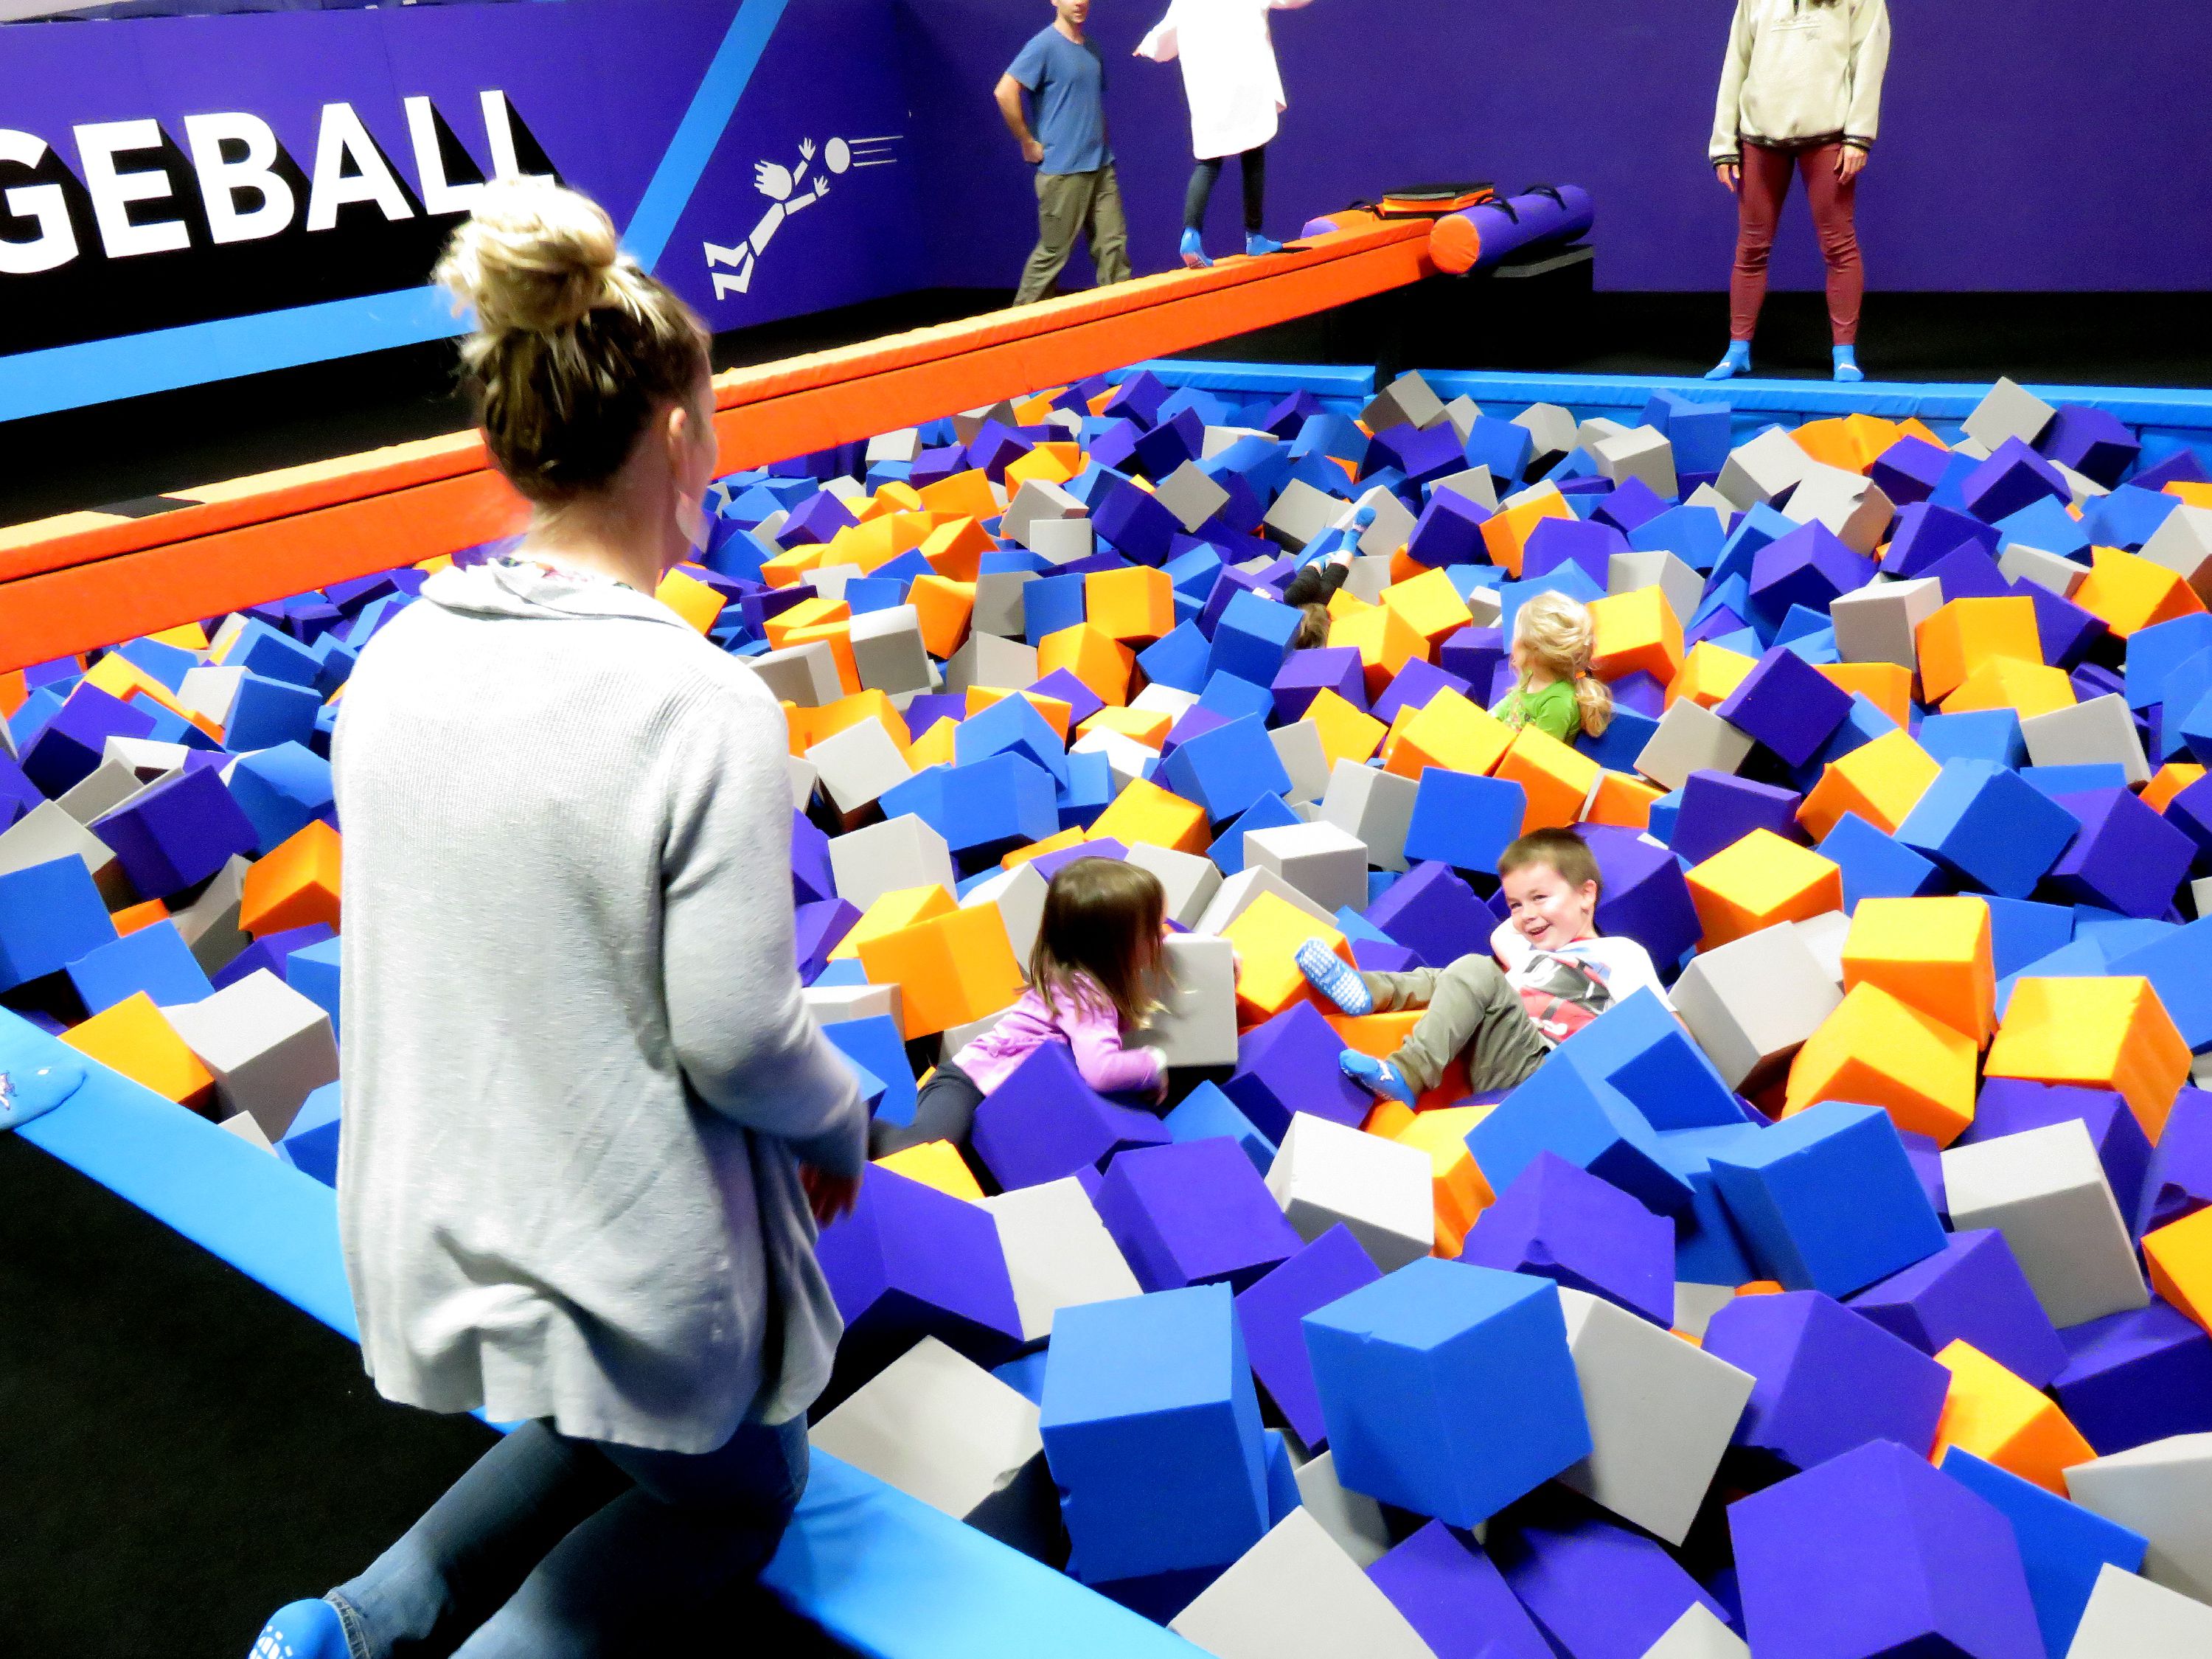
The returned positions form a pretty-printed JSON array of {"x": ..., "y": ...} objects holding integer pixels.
[
  {"x": 1323, "y": 380},
  {"x": 881, "y": 1572}
]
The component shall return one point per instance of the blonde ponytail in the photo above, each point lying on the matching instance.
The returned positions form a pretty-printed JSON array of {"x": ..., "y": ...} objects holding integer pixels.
[{"x": 1555, "y": 633}]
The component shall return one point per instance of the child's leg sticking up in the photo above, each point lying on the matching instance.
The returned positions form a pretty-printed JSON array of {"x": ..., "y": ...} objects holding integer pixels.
[{"x": 1471, "y": 1010}]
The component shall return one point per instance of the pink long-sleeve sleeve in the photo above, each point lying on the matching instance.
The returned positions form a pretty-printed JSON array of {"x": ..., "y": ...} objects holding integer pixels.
[{"x": 1095, "y": 1034}]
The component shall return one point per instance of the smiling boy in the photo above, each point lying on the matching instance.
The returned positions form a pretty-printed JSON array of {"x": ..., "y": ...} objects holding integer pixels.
[{"x": 1558, "y": 974}]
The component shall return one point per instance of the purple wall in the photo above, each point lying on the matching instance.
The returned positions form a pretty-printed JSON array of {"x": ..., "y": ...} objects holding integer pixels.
[{"x": 2028, "y": 144}]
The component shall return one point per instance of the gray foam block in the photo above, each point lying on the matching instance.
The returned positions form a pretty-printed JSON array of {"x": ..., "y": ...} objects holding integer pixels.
[
  {"x": 1880, "y": 622},
  {"x": 1353, "y": 1519},
  {"x": 1301, "y": 513},
  {"x": 1058, "y": 1252},
  {"x": 1690, "y": 738},
  {"x": 857, "y": 764},
  {"x": 1639, "y": 453},
  {"x": 2162, "y": 1490},
  {"x": 1236, "y": 893},
  {"x": 269, "y": 1047},
  {"x": 998, "y": 608},
  {"x": 2052, "y": 572},
  {"x": 803, "y": 674},
  {"x": 1382, "y": 1192},
  {"x": 1327, "y": 864},
  {"x": 988, "y": 660},
  {"x": 1375, "y": 807},
  {"x": 1190, "y": 879},
  {"x": 1407, "y": 401},
  {"x": 2101, "y": 730},
  {"x": 2184, "y": 544},
  {"x": 1628, "y": 573},
  {"x": 1018, "y": 895},
  {"x": 2009, "y": 411},
  {"x": 2045, "y": 1191},
  {"x": 1295, "y": 1595},
  {"x": 1198, "y": 1025},
  {"x": 884, "y": 858},
  {"x": 1191, "y": 495},
  {"x": 1761, "y": 468},
  {"x": 1752, "y": 1002},
  {"x": 888, "y": 651}
]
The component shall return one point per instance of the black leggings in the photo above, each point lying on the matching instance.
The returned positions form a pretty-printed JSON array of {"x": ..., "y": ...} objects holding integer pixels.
[{"x": 1208, "y": 173}]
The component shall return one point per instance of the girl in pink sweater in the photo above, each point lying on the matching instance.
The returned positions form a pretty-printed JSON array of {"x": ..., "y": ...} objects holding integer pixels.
[{"x": 1092, "y": 978}]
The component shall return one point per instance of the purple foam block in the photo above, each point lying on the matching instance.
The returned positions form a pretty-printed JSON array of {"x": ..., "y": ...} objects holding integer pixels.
[
  {"x": 1473, "y": 655},
  {"x": 69, "y": 744},
  {"x": 1305, "y": 675},
  {"x": 1828, "y": 1380},
  {"x": 2126, "y": 857},
  {"x": 1420, "y": 453},
  {"x": 815, "y": 519},
  {"x": 1044, "y": 1122},
  {"x": 1082, "y": 701},
  {"x": 1414, "y": 684},
  {"x": 2014, "y": 477},
  {"x": 1925, "y": 533},
  {"x": 177, "y": 832},
  {"x": 1558, "y": 1221},
  {"x": 1909, "y": 469},
  {"x": 1332, "y": 1266},
  {"x": 1195, "y": 1214},
  {"x": 1810, "y": 567},
  {"x": 1050, "y": 865},
  {"x": 2008, "y": 1105},
  {"x": 1876, "y": 1553},
  {"x": 1640, "y": 694},
  {"x": 1290, "y": 1065},
  {"x": 810, "y": 879},
  {"x": 1194, "y": 722},
  {"x": 1449, "y": 531},
  {"x": 1385, "y": 956},
  {"x": 1632, "y": 505},
  {"x": 1719, "y": 809},
  {"x": 816, "y": 930},
  {"x": 2134, "y": 1377},
  {"x": 1785, "y": 702},
  {"x": 1453, "y": 1596},
  {"x": 1555, "y": 542},
  {"x": 271, "y": 952},
  {"x": 1967, "y": 573},
  {"x": 1973, "y": 1288},
  {"x": 1433, "y": 912},
  {"x": 2191, "y": 812},
  {"x": 2178, "y": 465},
  {"x": 2179, "y": 1180},
  {"x": 1598, "y": 1590},
  {"x": 1643, "y": 893},
  {"x": 1927, "y": 1160},
  {"x": 2093, "y": 442},
  {"x": 911, "y": 1261}
]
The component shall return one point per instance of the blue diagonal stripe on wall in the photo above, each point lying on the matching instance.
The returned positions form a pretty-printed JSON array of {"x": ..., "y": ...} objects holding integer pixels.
[{"x": 134, "y": 364}]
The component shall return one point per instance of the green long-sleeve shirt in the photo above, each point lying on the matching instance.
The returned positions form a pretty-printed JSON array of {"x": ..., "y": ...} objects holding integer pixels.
[{"x": 1550, "y": 708}]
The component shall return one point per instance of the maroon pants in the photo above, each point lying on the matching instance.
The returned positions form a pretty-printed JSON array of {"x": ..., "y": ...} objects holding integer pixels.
[{"x": 1758, "y": 205}]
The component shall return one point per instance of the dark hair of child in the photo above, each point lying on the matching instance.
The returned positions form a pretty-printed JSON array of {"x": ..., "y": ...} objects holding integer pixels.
[
  {"x": 1562, "y": 850},
  {"x": 1101, "y": 929}
]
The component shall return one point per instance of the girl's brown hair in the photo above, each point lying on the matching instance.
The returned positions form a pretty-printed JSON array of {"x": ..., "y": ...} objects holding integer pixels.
[
  {"x": 575, "y": 345},
  {"x": 1101, "y": 936}
]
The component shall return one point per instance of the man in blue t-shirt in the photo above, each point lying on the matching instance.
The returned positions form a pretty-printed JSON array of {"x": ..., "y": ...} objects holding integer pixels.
[{"x": 1065, "y": 76}]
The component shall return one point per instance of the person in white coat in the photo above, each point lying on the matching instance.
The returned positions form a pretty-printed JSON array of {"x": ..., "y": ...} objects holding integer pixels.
[{"x": 1236, "y": 96}]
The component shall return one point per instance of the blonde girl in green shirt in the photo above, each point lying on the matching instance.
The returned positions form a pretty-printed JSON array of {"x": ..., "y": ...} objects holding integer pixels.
[{"x": 1558, "y": 695}]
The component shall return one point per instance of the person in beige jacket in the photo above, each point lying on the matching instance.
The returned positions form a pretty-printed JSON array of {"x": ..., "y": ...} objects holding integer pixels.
[{"x": 1801, "y": 89}]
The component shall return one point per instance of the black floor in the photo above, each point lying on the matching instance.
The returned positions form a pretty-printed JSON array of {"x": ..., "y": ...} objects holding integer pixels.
[
  {"x": 84, "y": 457},
  {"x": 181, "y": 1452}
]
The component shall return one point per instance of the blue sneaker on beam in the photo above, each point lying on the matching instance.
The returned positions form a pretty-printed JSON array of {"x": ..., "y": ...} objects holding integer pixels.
[
  {"x": 1738, "y": 361},
  {"x": 1378, "y": 1077},
  {"x": 1255, "y": 245},
  {"x": 302, "y": 1630},
  {"x": 1194, "y": 251}
]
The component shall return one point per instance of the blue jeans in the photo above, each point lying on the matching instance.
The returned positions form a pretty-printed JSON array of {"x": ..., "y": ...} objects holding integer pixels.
[{"x": 550, "y": 1547}]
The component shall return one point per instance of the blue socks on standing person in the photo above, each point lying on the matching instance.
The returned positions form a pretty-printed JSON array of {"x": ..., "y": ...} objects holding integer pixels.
[
  {"x": 1847, "y": 364},
  {"x": 1194, "y": 251},
  {"x": 1255, "y": 245},
  {"x": 301, "y": 1629},
  {"x": 1738, "y": 361}
]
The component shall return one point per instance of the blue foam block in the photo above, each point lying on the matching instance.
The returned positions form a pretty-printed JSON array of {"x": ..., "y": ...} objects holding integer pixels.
[
  {"x": 2063, "y": 1547},
  {"x": 1588, "y": 1122},
  {"x": 1987, "y": 826},
  {"x": 313, "y": 971},
  {"x": 310, "y": 1143},
  {"x": 1228, "y": 768},
  {"x": 1464, "y": 820},
  {"x": 50, "y": 915},
  {"x": 1206, "y": 1112},
  {"x": 155, "y": 960},
  {"x": 1641, "y": 1049},
  {"x": 1876, "y": 866},
  {"x": 1448, "y": 1389}
]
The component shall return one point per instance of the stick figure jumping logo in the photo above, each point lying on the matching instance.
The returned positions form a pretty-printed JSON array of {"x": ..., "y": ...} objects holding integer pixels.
[{"x": 789, "y": 190}]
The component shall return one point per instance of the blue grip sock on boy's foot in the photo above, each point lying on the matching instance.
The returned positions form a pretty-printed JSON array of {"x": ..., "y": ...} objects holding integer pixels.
[
  {"x": 301, "y": 1629},
  {"x": 1378, "y": 1077},
  {"x": 1334, "y": 978},
  {"x": 1255, "y": 245},
  {"x": 1194, "y": 251},
  {"x": 1847, "y": 364},
  {"x": 1738, "y": 361},
  {"x": 26, "y": 1092}
]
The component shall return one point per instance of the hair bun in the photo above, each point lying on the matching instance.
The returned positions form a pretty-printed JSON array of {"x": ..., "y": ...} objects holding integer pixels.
[{"x": 533, "y": 256}]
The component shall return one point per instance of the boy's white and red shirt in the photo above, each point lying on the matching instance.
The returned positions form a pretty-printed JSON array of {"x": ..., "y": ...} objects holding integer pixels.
[{"x": 1564, "y": 987}]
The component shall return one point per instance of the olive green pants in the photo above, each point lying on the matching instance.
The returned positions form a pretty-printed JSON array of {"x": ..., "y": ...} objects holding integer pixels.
[
  {"x": 1069, "y": 205},
  {"x": 1472, "y": 1010}
]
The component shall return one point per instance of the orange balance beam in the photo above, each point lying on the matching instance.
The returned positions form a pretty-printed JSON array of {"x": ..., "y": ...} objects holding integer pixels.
[{"x": 87, "y": 580}]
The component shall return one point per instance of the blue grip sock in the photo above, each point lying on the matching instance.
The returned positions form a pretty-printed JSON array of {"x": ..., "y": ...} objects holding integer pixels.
[
  {"x": 1194, "y": 251},
  {"x": 1737, "y": 361},
  {"x": 1847, "y": 364},
  {"x": 1256, "y": 244},
  {"x": 1378, "y": 1077},
  {"x": 301, "y": 1629}
]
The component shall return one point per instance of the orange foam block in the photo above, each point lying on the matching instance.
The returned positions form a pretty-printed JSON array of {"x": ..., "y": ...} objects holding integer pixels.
[
  {"x": 2170, "y": 781},
  {"x": 1429, "y": 605},
  {"x": 889, "y": 912},
  {"x": 895, "y": 495},
  {"x": 1933, "y": 953},
  {"x": 690, "y": 598},
  {"x": 1447, "y": 731},
  {"x": 850, "y": 710},
  {"x": 1145, "y": 812},
  {"x": 1879, "y": 781},
  {"x": 936, "y": 747},
  {"x": 2028, "y": 688},
  {"x": 807, "y": 613},
  {"x": 1457, "y": 1189},
  {"x": 950, "y": 969},
  {"x": 2179, "y": 1255},
  {"x": 1758, "y": 880},
  {"x": 1636, "y": 632},
  {"x": 1624, "y": 800},
  {"x": 969, "y": 493},
  {"x": 2005, "y": 1420},
  {"x": 1074, "y": 835},
  {"x": 136, "y": 916},
  {"x": 942, "y": 606},
  {"x": 294, "y": 884},
  {"x": 1386, "y": 642},
  {"x": 1346, "y": 732},
  {"x": 1506, "y": 533},
  {"x": 2128, "y": 592},
  {"x": 1266, "y": 937},
  {"x": 1149, "y": 727},
  {"x": 1057, "y": 711},
  {"x": 1558, "y": 779},
  {"x": 2099, "y": 1034},
  {"x": 1134, "y": 606},
  {"x": 1965, "y": 634},
  {"x": 1876, "y": 1050},
  {"x": 1046, "y": 464},
  {"x": 1379, "y": 1035},
  {"x": 935, "y": 1164},
  {"x": 956, "y": 548},
  {"x": 133, "y": 1037},
  {"x": 1093, "y": 656},
  {"x": 1887, "y": 685},
  {"x": 1709, "y": 674}
]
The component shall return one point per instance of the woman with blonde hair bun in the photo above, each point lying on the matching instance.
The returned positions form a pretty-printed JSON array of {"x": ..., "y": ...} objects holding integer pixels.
[
  {"x": 1556, "y": 692},
  {"x": 590, "y": 1126}
]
